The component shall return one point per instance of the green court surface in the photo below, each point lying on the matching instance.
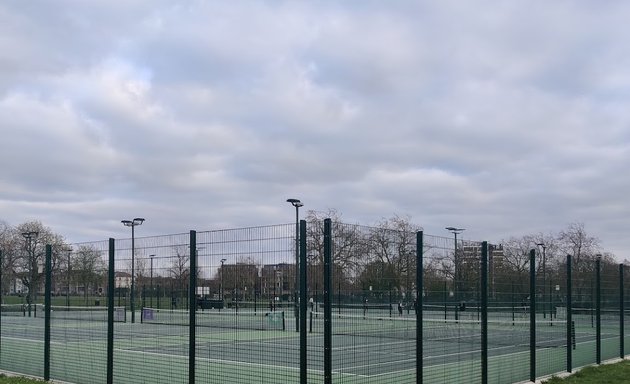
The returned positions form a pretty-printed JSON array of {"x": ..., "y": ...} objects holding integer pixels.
[{"x": 376, "y": 349}]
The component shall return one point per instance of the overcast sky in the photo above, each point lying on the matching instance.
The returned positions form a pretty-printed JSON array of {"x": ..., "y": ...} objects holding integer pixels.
[{"x": 504, "y": 118}]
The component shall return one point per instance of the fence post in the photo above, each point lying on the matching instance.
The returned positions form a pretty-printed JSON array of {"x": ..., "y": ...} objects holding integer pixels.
[
  {"x": 532, "y": 315},
  {"x": 303, "y": 302},
  {"x": 110, "y": 313},
  {"x": 192, "y": 307},
  {"x": 622, "y": 351},
  {"x": 598, "y": 308},
  {"x": 419, "y": 305},
  {"x": 484, "y": 312},
  {"x": 569, "y": 317},
  {"x": 47, "y": 296},
  {"x": 327, "y": 302}
]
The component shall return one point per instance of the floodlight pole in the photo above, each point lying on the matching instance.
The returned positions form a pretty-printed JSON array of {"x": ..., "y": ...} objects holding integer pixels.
[
  {"x": 297, "y": 204},
  {"x": 29, "y": 237},
  {"x": 222, "y": 272},
  {"x": 455, "y": 231},
  {"x": 151, "y": 279},
  {"x": 69, "y": 250},
  {"x": 133, "y": 223},
  {"x": 544, "y": 248}
]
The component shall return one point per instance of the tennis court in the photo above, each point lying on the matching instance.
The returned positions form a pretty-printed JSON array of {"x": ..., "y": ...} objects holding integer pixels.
[
  {"x": 245, "y": 297},
  {"x": 252, "y": 346}
]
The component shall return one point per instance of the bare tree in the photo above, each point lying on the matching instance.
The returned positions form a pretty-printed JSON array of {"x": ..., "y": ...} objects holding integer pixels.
[
  {"x": 31, "y": 261},
  {"x": 349, "y": 245},
  {"x": 393, "y": 242},
  {"x": 179, "y": 268},
  {"x": 584, "y": 249},
  {"x": 514, "y": 268},
  {"x": 11, "y": 251},
  {"x": 88, "y": 268}
]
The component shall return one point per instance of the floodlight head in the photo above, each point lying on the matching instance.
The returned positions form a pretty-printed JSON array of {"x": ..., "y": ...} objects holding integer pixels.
[
  {"x": 133, "y": 223},
  {"x": 223, "y": 261},
  {"x": 295, "y": 202},
  {"x": 455, "y": 230},
  {"x": 30, "y": 234},
  {"x": 541, "y": 245}
]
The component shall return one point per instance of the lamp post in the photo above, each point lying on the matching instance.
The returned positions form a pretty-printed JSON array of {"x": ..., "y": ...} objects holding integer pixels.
[
  {"x": 151, "y": 279},
  {"x": 544, "y": 248},
  {"x": 133, "y": 223},
  {"x": 29, "y": 237},
  {"x": 297, "y": 204},
  {"x": 69, "y": 250},
  {"x": 456, "y": 231},
  {"x": 222, "y": 271}
]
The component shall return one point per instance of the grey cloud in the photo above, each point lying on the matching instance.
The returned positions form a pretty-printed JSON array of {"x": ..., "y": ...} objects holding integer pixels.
[{"x": 503, "y": 118}]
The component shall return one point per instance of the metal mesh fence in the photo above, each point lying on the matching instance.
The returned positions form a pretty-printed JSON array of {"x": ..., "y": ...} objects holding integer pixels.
[{"x": 222, "y": 306}]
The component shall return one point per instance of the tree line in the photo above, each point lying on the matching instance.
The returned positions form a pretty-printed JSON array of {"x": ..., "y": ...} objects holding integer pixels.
[{"x": 377, "y": 261}]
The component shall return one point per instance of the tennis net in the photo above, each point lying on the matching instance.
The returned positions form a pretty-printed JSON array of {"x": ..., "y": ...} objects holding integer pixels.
[
  {"x": 98, "y": 314},
  {"x": 216, "y": 319},
  {"x": 500, "y": 332},
  {"x": 13, "y": 310}
]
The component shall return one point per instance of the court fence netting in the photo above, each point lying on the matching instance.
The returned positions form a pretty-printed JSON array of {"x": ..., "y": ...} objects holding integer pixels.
[{"x": 310, "y": 302}]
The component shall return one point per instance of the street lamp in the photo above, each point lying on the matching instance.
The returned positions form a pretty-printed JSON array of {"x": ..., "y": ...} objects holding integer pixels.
[
  {"x": 297, "y": 204},
  {"x": 151, "y": 279},
  {"x": 69, "y": 250},
  {"x": 456, "y": 231},
  {"x": 29, "y": 237},
  {"x": 222, "y": 271},
  {"x": 133, "y": 223},
  {"x": 544, "y": 248}
]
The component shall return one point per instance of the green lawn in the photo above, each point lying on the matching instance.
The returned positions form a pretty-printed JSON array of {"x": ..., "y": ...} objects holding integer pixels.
[
  {"x": 609, "y": 373},
  {"x": 18, "y": 380}
]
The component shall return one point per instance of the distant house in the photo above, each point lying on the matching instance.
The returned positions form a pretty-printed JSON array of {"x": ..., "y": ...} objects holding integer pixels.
[
  {"x": 278, "y": 280},
  {"x": 122, "y": 280}
]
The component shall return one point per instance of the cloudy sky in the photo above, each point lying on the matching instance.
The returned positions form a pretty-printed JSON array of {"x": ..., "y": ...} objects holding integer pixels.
[{"x": 504, "y": 118}]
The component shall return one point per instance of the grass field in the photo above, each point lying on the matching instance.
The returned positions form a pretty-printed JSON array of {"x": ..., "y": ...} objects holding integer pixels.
[
  {"x": 610, "y": 373},
  {"x": 18, "y": 380}
]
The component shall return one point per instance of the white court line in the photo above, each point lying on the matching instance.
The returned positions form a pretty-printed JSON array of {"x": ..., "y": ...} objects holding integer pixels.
[{"x": 233, "y": 362}]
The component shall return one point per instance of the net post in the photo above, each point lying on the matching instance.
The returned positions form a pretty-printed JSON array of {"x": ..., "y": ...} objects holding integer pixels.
[
  {"x": 327, "y": 302},
  {"x": 445, "y": 292},
  {"x": 192, "y": 307},
  {"x": 419, "y": 305},
  {"x": 598, "y": 307},
  {"x": 569, "y": 317},
  {"x": 513, "y": 305},
  {"x": 339, "y": 297},
  {"x": 284, "y": 325},
  {"x": 621, "y": 314},
  {"x": 303, "y": 303},
  {"x": 110, "y": 312},
  {"x": 532, "y": 315},
  {"x": 47, "y": 297},
  {"x": 484, "y": 312},
  {"x": 310, "y": 326},
  {"x": 144, "y": 303}
]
